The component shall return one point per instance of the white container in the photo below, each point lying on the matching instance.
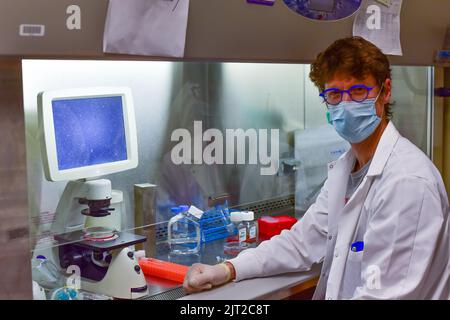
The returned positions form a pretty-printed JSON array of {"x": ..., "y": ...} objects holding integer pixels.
[
  {"x": 236, "y": 242},
  {"x": 237, "y": 219}
]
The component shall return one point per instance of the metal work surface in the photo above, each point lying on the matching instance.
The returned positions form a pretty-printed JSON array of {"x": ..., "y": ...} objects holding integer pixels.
[
  {"x": 212, "y": 253},
  {"x": 275, "y": 287}
]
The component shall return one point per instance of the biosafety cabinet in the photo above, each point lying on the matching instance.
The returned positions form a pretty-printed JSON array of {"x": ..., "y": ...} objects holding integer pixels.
[{"x": 234, "y": 79}]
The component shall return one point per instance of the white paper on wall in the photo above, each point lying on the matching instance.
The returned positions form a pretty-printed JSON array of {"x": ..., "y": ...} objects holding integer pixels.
[
  {"x": 146, "y": 27},
  {"x": 380, "y": 24}
]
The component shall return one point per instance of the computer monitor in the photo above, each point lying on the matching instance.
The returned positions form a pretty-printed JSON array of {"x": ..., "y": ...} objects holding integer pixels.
[{"x": 87, "y": 133}]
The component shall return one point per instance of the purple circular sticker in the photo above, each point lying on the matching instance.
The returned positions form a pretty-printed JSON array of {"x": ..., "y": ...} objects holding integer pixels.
[{"x": 325, "y": 10}]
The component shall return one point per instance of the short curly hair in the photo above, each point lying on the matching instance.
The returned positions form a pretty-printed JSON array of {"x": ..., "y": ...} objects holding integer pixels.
[{"x": 353, "y": 56}]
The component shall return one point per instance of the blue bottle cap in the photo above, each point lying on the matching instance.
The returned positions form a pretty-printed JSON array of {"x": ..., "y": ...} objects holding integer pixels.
[
  {"x": 175, "y": 210},
  {"x": 184, "y": 208}
]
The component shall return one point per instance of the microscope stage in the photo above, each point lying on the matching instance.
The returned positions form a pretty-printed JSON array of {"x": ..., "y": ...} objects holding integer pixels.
[{"x": 77, "y": 238}]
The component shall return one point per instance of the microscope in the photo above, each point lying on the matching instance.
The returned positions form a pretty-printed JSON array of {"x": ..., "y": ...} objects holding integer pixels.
[{"x": 88, "y": 133}]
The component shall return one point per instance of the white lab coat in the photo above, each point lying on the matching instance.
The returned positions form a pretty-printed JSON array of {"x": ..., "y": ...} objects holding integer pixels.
[{"x": 400, "y": 211}]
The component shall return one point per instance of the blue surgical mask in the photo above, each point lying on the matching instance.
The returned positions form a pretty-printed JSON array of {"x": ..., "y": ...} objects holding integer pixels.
[{"x": 354, "y": 121}]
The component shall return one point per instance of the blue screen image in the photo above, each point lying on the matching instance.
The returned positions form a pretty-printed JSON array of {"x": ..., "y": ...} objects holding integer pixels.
[{"x": 89, "y": 131}]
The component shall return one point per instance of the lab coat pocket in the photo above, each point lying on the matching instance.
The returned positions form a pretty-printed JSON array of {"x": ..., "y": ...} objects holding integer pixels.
[
  {"x": 352, "y": 276},
  {"x": 355, "y": 256}
]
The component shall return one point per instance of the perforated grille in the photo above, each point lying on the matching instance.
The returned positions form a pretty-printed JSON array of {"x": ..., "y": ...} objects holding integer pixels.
[
  {"x": 273, "y": 207},
  {"x": 172, "y": 294},
  {"x": 161, "y": 232}
]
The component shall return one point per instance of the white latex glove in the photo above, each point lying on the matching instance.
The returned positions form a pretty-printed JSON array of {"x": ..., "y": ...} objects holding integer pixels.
[{"x": 203, "y": 277}]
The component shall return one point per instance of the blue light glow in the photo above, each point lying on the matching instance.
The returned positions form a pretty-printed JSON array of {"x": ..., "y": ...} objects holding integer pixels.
[{"x": 89, "y": 131}]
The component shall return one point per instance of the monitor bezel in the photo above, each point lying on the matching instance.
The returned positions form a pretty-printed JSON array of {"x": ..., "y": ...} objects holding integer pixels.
[{"x": 47, "y": 129}]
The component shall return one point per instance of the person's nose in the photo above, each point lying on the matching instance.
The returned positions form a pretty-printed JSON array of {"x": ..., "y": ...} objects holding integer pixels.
[{"x": 346, "y": 96}]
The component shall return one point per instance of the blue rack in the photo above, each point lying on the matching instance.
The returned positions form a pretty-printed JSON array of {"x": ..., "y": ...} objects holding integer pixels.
[{"x": 213, "y": 225}]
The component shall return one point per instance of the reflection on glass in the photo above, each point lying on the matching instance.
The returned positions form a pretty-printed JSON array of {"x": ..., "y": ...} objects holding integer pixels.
[{"x": 219, "y": 96}]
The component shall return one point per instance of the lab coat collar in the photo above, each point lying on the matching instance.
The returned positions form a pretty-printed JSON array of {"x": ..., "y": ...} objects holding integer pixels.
[
  {"x": 338, "y": 175},
  {"x": 384, "y": 149}
]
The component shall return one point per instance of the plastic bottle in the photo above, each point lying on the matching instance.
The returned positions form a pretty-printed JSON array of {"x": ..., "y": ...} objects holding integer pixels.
[
  {"x": 183, "y": 232},
  {"x": 251, "y": 226},
  {"x": 242, "y": 231},
  {"x": 46, "y": 273},
  {"x": 236, "y": 242}
]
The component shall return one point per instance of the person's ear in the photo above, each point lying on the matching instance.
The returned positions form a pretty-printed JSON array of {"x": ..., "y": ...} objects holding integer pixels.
[
  {"x": 380, "y": 109},
  {"x": 386, "y": 94},
  {"x": 385, "y": 97}
]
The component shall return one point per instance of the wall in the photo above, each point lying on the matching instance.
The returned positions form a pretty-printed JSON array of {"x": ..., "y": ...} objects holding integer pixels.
[
  {"x": 260, "y": 33},
  {"x": 223, "y": 30},
  {"x": 15, "y": 279}
]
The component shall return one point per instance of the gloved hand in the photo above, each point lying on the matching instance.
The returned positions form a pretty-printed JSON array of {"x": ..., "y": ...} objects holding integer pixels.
[{"x": 203, "y": 277}]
